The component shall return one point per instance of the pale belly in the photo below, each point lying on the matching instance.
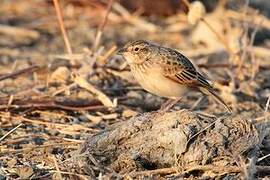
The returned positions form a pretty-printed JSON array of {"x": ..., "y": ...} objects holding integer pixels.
[{"x": 157, "y": 84}]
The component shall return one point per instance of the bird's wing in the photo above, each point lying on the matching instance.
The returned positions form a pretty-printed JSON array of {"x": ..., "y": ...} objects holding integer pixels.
[{"x": 178, "y": 68}]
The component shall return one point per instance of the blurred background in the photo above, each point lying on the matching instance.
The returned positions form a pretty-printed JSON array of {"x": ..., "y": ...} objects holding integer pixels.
[{"x": 60, "y": 79}]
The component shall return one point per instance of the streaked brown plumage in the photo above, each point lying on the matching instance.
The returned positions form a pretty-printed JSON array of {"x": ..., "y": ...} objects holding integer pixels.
[{"x": 164, "y": 71}]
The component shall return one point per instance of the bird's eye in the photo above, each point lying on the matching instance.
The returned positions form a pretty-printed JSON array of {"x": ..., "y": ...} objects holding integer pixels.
[{"x": 136, "y": 49}]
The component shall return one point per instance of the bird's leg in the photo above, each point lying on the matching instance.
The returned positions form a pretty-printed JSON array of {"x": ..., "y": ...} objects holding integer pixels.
[
  {"x": 197, "y": 103},
  {"x": 166, "y": 103},
  {"x": 169, "y": 104}
]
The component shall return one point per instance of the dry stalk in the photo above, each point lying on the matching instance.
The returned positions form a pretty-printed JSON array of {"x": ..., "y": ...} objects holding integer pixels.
[
  {"x": 34, "y": 147},
  {"x": 102, "y": 25},
  {"x": 19, "y": 72},
  {"x": 134, "y": 20},
  {"x": 19, "y": 32},
  {"x": 58, "y": 173},
  {"x": 267, "y": 104},
  {"x": 245, "y": 39},
  {"x": 248, "y": 46},
  {"x": 71, "y": 127},
  {"x": 63, "y": 30},
  {"x": 11, "y": 131},
  {"x": 264, "y": 157},
  {"x": 162, "y": 171},
  {"x": 221, "y": 39},
  {"x": 45, "y": 102},
  {"x": 205, "y": 128},
  {"x": 11, "y": 97},
  {"x": 102, "y": 59},
  {"x": 251, "y": 19},
  {"x": 65, "y": 88}
]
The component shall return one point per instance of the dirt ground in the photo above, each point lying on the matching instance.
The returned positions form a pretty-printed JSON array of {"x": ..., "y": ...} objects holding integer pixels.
[{"x": 59, "y": 97}]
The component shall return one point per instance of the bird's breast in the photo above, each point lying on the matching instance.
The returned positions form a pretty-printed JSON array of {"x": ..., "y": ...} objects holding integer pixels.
[{"x": 151, "y": 78}]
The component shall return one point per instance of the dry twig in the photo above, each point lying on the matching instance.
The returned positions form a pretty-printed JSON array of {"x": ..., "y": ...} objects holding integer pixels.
[
  {"x": 100, "y": 95},
  {"x": 11, "y": 131},
  {"x": 63, "y": 29},
  {"x": 24, "y": 150},
  {"x": 58, "y": 172},
  {"x": 19, "y": 32},
  {"x": 102, "y": 25},
  {"x": 19, "y": 72}
]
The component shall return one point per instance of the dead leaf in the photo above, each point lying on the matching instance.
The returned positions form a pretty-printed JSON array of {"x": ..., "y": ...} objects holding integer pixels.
[{"x": 24, "y": 172}]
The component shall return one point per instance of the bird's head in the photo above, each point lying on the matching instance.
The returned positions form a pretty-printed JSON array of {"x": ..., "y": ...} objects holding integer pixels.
[{"x": 136, "y": 52}]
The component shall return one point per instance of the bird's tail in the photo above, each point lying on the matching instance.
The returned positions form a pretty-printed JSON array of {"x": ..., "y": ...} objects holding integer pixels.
[{"x": 210, "y": 91}]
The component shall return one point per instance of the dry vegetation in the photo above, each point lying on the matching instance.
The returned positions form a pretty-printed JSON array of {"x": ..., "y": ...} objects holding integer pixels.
[{"x": 61, "y": 84}]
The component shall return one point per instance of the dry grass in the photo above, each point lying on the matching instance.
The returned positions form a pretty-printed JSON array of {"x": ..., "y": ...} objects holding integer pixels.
[{"x": 51, "y": 101}]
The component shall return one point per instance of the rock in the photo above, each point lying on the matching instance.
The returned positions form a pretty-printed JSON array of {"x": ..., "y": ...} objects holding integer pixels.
[{"x": 151, "y": 141}]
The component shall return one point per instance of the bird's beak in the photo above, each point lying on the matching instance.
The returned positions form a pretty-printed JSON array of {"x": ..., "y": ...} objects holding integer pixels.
[{"x": 121, "y": 51}]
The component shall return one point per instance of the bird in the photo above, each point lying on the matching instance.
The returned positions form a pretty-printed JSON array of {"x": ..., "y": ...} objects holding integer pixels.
[{"x": 165, "y": 72}]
